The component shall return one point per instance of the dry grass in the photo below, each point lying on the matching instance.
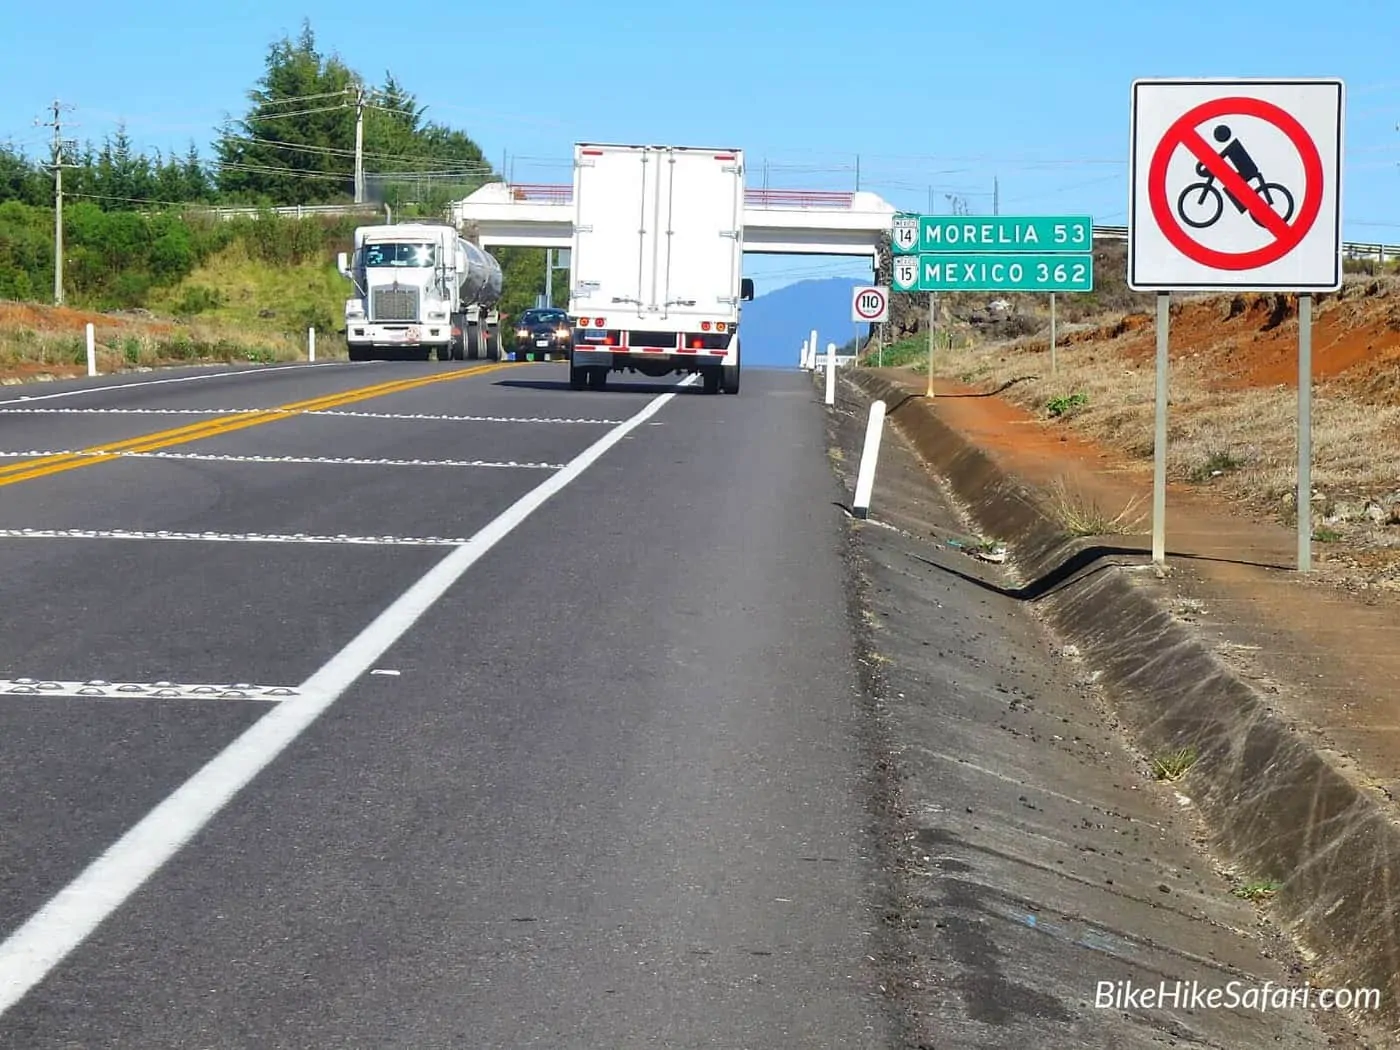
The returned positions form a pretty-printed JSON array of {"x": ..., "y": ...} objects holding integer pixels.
[
  {"x": 25, "y": 350},
  {"x": 1083, "y": 515},
  {"x": 1243, "y": 442}
]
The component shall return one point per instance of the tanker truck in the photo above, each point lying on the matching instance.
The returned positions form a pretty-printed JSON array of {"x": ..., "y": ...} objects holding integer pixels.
[{"x": 420, "y": 289}]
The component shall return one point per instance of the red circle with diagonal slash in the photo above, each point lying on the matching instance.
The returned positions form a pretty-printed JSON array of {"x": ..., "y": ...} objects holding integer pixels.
[{"x": 1184, "y": 129}]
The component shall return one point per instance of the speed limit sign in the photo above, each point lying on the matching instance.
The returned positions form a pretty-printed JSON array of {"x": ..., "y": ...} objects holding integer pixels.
[{"x": 870, "y": 305}]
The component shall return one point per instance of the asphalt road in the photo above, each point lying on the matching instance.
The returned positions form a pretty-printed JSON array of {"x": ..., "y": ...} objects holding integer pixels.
[
  {"x": 594, "y": 778},
  {"x": 430, "y": 706}
]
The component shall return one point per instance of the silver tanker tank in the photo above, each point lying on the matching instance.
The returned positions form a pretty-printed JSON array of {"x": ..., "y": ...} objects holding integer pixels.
[{"x": 479, "y": 274}]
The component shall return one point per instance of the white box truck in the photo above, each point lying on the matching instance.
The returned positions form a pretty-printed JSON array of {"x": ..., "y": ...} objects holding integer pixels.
[
  {"x": 420, "y": 288},
  {"x": 657, "y": 261}
]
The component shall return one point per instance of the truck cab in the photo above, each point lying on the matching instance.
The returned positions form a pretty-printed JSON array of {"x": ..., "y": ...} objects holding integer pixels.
[{"x": 419, "y": 289}]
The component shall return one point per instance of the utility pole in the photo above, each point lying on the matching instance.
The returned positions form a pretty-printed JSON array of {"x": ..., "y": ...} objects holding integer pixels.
[
  {"x": 359, "y": 144},
  {"x": 549, "y": 277},
  {"x": 57, "y": 163},
  {"x": 857, "y": 172},
  {"x": 996, "y": 196}
]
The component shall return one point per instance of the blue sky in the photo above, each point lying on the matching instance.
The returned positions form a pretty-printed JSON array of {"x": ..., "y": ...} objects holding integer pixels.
[{"x": 936, "y": 100}]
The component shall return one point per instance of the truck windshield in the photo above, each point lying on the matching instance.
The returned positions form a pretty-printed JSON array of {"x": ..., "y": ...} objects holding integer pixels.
[{"x": 399, "y": 255}]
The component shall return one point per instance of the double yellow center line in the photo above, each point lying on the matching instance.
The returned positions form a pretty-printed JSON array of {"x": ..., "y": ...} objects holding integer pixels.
[{"x": 43, "y": 466}]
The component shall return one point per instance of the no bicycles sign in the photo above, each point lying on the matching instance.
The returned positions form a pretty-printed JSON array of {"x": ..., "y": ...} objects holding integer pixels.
[{"x": 1236, "y": 184}]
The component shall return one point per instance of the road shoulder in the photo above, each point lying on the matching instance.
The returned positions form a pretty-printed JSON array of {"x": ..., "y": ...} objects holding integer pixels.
[{"x": 1036, "y": 855}]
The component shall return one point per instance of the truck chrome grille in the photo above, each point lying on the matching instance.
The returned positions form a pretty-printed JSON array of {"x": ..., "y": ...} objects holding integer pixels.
[{"x": 394, "y": 304}]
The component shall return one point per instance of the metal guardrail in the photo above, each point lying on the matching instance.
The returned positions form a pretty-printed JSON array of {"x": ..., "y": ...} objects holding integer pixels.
[
  {"x": 1352, "y": 249},
  {"x": 295, "y": 211}
]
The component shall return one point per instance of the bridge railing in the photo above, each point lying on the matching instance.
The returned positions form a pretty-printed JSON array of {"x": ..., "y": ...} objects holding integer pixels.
[
  {"x": 764, "y": 198},
  {"x": 754, "y": 198},
  {"x": 1351, "y": 249},
  {"x": 547, "y": 193}
]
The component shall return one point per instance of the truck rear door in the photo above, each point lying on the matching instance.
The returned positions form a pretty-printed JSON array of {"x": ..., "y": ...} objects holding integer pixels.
[
  {"x": 698, "y": 254},
  {"x": 614, "y": 232}
]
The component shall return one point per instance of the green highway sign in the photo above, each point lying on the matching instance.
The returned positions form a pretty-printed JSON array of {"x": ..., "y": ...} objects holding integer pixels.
[
  {"x": 926, "y": 234},
  {"x": 1007, "y": 272}
]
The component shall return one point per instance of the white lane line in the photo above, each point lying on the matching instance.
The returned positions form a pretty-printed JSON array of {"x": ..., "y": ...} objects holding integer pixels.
[
  {"x": 231, "y": 537},
  {"x": 465, "y": 419},
  {"x": 97, "y": 688},
  {"x": 158, "y": 382},
  {"x": 324, "y": 412},
  {"x": 216, "y": 457},
  {"x": 29, "y": 954},
  {"x": 131, "y": 411}
]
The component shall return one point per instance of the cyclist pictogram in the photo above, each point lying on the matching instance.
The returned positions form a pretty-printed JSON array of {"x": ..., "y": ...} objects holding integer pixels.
[{"x": 1201, "y": 204}]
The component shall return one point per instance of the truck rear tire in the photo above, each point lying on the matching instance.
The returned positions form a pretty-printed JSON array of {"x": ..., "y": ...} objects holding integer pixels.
[
  {"x": 448, "y": 352},
  {"x": 598, "y": 378},
  {"x": 359, "y": 353},
  {"x": 711, "y": 378},
  {"x": 578, "y": 377},
  {"x": 730, "y": 375},
  {"x": 456, "y": 346},
  {"x": 493, "y": 344},
  {"x": 473, "y": 339}
]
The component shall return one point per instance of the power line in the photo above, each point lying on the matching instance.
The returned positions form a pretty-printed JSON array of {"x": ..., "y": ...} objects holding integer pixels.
[{"x": 289, "y": 99}]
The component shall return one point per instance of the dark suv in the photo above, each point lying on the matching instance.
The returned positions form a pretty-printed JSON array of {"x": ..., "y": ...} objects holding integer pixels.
[{"x": 542, "y": 332}]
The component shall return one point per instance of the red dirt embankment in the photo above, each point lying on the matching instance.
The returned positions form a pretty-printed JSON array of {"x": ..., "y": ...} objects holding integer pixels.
[{"x": 1251, "y": 340}]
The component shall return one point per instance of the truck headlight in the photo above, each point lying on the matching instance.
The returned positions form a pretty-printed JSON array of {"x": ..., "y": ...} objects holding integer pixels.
[{"x": 354, "y": 308}]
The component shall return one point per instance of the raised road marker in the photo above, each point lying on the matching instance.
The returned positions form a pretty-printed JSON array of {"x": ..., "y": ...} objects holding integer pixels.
[{"x": 865, "y": 473}]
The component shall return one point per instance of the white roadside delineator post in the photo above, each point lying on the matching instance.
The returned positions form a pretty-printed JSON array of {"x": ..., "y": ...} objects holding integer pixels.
[
  {"x": 91, "y": 349},
  {"x": 831, "y": 373},
  {"x": 311, "y": 344},
  {"x": 812, "y": 349},
  {"x": 865, "y": 476}
]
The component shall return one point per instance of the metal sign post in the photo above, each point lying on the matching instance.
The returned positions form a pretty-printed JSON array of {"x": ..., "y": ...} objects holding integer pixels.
[
  {"x": 1305, "y": 433},
  {"x": 932, "y": 321},
  {"x": 1159, "y": 441}
]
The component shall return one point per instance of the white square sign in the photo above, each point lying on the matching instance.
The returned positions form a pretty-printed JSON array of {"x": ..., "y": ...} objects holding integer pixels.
[
  {"x": 1236, "y": 184},
  {"x": 870, "y": 305}
]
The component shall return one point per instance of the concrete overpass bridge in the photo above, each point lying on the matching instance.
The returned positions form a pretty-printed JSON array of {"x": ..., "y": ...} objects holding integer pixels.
[{"x": 776, "y": 222}]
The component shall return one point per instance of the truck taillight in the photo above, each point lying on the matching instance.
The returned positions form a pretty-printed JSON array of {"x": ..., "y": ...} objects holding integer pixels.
[
  {"x": 719, "y": 326},
  {"x": 599, "y": 322},
  {"x": 583, "y": 322},
  {"x": 704, "y": 326}
]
